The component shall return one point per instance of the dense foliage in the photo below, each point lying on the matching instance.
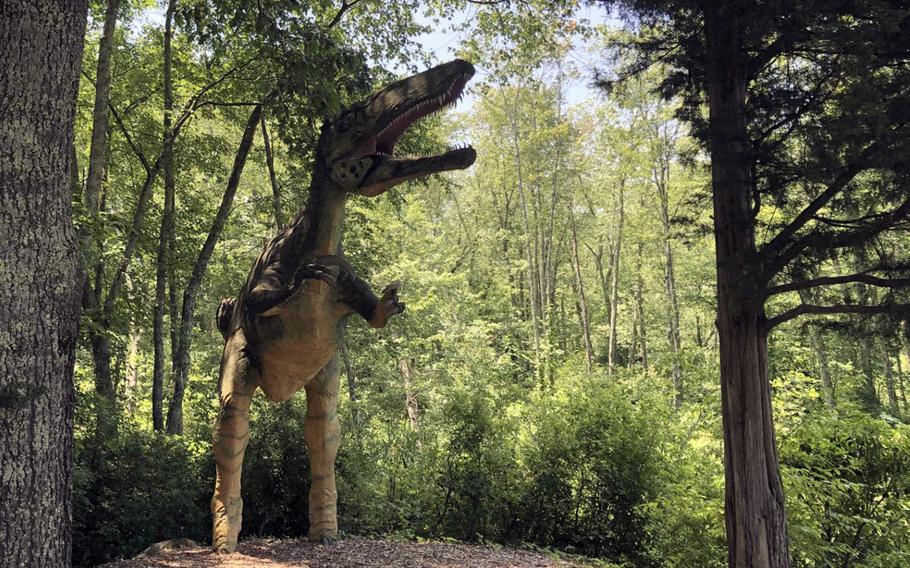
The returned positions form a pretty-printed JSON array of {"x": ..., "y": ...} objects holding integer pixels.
[{"x": 554, "y": 380}]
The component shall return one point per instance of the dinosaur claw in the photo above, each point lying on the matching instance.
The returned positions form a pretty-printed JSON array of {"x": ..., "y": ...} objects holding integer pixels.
[{"x": 388, "y": 305}]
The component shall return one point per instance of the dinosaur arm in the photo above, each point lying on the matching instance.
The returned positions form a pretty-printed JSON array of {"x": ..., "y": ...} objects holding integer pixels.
[{"x": 359, "y": 297}]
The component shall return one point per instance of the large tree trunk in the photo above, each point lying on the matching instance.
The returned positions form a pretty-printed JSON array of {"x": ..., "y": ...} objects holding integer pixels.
[
  {"x": 754, "y": 504},
  {"x": 182, "y": 369},
  {"x": 40, "y": 56},
  {"x": 164, "y": 258}
]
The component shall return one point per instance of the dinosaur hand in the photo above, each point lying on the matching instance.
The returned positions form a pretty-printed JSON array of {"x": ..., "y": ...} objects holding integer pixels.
[{"x": 388, "y": 306}]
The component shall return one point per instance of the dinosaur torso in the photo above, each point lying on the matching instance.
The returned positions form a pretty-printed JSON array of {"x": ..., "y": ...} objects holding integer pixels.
[{"x": 290, "y": 338}]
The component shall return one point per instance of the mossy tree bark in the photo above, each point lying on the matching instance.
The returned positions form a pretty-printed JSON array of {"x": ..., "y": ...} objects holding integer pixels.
[{"x": 40, "y": 57}]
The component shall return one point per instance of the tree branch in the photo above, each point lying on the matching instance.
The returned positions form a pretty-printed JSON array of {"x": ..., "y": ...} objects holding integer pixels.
[
  {"x": 833, "y": 310},
  {"x": 838, "y": 240},
  {"x": 829, "y": 280},
  {"x": 345, "y": 6}
]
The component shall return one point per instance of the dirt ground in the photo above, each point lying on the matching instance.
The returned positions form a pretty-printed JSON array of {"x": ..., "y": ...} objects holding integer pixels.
[{"x": 352, "y": 552}]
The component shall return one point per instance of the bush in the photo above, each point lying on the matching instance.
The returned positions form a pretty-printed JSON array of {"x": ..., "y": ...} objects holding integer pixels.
[{"x": 137, "y": 489}]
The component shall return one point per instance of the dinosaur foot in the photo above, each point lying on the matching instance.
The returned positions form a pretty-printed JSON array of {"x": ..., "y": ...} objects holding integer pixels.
[{"x": 388, "y": 306}]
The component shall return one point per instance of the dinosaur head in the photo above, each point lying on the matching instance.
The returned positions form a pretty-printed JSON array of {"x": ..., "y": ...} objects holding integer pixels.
[{"x": 357, "y": 144}]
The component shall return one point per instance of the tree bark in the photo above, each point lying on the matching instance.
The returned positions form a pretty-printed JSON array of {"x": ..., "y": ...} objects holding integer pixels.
[
  {"x": 40, "y": 58},
  {"x": 182, "y": 369},
  {"x": 164, "y": 258},
  {"x": 756, "y": 525}
]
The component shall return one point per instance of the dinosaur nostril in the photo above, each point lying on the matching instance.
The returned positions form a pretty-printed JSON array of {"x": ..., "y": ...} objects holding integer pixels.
[{"x": 353, "y": 169}]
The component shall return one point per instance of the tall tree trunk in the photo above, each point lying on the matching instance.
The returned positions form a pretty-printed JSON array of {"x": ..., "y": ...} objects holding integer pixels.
[
  {"x": 91, "y": 196},
  {"x": 754, "y": 505},
  {"x": 164, "y": 258},
  {"x": 181, "y": 372},
  {"x": 582, "y": 302},
  {"x": 40, "y": 57},
  {"x": 662, "y": 183},
  {"x": 640, "y": 308},
  {"x": 529, "y": 246},
  {"x": 615, "y": 258},
  {"x": 273, "y": 180}
]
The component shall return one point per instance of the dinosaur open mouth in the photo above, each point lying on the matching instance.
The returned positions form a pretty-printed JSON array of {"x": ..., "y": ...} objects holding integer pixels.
[
  {"x": 383, "y": 144},
  {"x": 386, "y": 139}
]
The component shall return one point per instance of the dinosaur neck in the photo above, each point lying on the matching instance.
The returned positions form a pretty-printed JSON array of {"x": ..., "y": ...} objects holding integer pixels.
[{"x": 324, "y": 218}]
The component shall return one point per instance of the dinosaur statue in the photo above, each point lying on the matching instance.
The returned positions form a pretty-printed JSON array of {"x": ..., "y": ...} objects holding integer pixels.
[{"x": 281, "y": 332}]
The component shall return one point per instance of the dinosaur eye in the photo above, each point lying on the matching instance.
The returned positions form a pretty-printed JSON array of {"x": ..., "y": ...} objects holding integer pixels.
[{"x": 344, "y": 122}]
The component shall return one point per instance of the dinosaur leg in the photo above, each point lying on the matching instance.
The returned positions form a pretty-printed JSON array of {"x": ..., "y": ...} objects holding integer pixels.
[
  {"x": 232, "y": 432},
  {"x": 322, "y": 432}
]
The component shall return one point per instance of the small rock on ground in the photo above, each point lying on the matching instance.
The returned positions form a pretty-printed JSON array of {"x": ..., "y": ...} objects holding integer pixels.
[{"x": 349, "y": 553}]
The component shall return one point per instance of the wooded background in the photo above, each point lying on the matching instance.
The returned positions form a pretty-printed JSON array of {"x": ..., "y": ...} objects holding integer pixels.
[{"x": 556, "y": 378}]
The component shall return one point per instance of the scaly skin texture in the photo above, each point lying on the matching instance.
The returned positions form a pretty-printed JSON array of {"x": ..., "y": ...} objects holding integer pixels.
[{"x": 281, "y": 332}]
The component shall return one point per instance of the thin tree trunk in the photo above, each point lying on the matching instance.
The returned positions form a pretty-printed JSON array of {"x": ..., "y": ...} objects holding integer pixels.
[
  {"x": 91, "y": 198},
  {"x": 615, "y": 258},
  {"x": 662, "y": 183},
  {"x": 533, "y": 295},
  {"x": 40, "y": 58},
  {"x": 132, "y": 371},
  {"x": 164, "y": 258},
  {"x": 756, "y": 524},
  {"x": 98, "y": 152},
  {"x": 889, "y": 379},
  {"x": 175, "y": 408},
  {"x": 579, "y": 288},
  {"x": 640, "y": 308},
  {"x": 870, "y": 393},
  {"x": 901, "y": 387},
  {"x": 349, "y": 371},
  {"x": 410, "y": 398},
  {"x": 273, "y": 180},
  {"x": 821, "y": 354}
]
